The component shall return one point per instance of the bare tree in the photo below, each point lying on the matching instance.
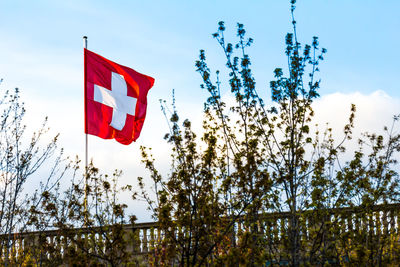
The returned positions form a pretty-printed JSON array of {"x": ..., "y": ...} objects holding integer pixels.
[{"x": 20, "y": 159}]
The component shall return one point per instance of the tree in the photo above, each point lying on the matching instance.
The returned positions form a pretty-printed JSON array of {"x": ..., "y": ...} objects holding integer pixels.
[
  {"x": 188, "y": 205},
  {"x": 254, "y": 160},
  {"x": 19, "y": 160},
  {"x": 95, "y": 235}
]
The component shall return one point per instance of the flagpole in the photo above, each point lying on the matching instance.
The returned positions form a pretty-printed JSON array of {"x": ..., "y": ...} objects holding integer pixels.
[{"x": 86, "y": 143}]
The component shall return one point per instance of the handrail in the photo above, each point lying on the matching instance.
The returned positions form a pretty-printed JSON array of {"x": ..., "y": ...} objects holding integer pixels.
[
  {"x": 272, "y": 215},
  {"x": 81, "y": 229},
  {"x": 141, "y": 237}
]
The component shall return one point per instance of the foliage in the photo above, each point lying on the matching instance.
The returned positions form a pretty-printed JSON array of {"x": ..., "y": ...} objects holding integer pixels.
[
  {"x": 95, "y": 235},
  {"x": 255, "y": 159},
  {"x": 189, "y": 204},
  {"x": 20, "y": 159}
]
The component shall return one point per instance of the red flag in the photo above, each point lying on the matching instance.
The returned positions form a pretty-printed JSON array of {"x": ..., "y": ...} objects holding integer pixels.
[{"x": 115, "y": 99}]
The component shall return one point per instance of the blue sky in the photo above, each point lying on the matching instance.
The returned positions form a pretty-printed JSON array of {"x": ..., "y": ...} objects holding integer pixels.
[{"x": 41, "y": 53}]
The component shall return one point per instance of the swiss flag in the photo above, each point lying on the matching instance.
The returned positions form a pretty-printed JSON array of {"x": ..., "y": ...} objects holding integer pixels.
[{"x": 115, "y": 99}]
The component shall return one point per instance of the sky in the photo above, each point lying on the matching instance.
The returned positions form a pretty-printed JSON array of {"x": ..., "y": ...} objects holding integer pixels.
[{"x": 41, "y": 52}]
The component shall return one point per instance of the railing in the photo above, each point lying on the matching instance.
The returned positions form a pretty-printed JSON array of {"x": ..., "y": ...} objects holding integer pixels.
[
  {"x": 378, "y": 220},
  {"x": 55, "y": 243},
  {"x": 140, "y": 238}
]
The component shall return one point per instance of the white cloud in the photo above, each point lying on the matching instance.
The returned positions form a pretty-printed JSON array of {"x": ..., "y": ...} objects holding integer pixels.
[{"x": 373, "y": 111}]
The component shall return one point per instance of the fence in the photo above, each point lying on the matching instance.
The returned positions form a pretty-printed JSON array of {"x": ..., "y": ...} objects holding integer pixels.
[{"x": 379, "y": 221}]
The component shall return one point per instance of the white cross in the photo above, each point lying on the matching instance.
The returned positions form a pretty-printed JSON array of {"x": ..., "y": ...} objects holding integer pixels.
[{"x": 117, "y": 98}]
